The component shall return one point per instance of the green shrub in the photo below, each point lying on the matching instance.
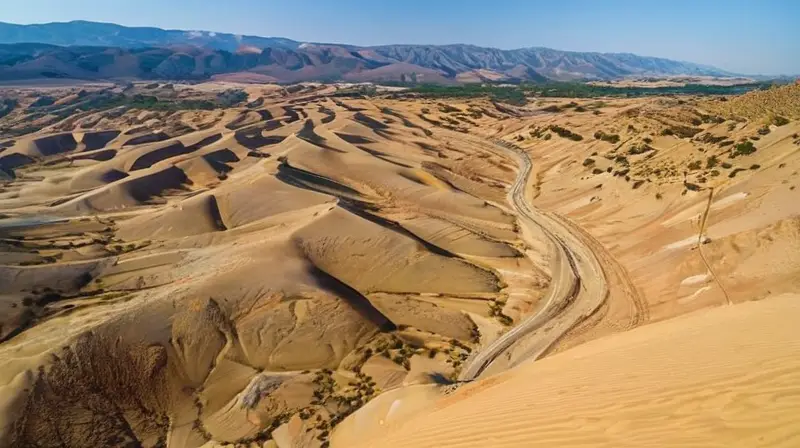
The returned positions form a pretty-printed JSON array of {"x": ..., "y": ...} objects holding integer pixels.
[
  {"x": 611, "y": 138},
  {"x": 743, "y": 149},
  {"x": 565, "y": 133},
  {"x": 777, "y": 120}
]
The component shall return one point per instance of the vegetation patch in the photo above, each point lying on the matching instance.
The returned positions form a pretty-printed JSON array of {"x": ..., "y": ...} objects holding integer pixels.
[
  {"x": 611, "y": 138},
  {"x": 565, "y": 133},
  {"x": 743, "y": 149}
]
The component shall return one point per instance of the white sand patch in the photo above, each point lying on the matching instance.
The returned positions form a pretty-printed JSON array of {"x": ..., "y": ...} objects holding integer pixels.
[
  {"x": 695, "y": 280},
  {"x": 694, "y": 213},
  {"x": 691, "y": 298},
  {"x": 728, "y": 200},
  {"x": 686, "y": 242}
]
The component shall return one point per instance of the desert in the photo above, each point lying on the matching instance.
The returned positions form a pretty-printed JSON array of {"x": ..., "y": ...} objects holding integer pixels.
[{"x": 289, "y": 265}]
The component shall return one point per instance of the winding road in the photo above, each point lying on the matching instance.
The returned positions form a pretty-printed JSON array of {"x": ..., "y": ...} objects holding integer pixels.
[{"x": 577, "y": 290}]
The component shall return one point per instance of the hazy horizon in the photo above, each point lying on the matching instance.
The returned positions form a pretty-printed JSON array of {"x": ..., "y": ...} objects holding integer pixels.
[{"x": 736, "y": 36}]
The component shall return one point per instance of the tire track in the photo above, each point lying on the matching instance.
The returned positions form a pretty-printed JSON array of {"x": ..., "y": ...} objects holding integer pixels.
[{"x": 579, "y": 286}]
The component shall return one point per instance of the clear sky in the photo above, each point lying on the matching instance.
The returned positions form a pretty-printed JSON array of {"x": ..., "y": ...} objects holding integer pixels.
[{"x": 744, "y": 36}]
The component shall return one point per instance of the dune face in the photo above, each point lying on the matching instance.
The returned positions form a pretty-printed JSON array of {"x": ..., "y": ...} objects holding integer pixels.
[
  {"x": 191, "y": 276},
  {"x": 266, "y": 266},
  {"x": 712, "y": 381}
]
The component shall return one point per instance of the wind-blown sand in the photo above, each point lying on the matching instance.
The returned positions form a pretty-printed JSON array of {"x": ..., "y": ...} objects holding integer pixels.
[
  {"x": 728, "y": 377},
  {"x": 282, "y": 271}
]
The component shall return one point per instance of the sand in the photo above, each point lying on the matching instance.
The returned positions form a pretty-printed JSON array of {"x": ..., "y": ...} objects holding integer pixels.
[
  {"x": 721, "y": 377},
  {"x": 276, "y": 270}
]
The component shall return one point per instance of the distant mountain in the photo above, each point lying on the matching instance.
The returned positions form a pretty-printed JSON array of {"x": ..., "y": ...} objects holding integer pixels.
[
  {"x": 89, "y": 50},
  {"x": 86, "y": 33}
]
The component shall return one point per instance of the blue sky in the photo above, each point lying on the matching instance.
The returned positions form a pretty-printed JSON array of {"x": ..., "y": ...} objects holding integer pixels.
[{"x": 745, "y": 36}]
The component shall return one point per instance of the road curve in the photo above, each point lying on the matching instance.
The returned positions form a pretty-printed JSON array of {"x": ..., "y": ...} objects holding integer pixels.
[{"x": 577, "y": 289}]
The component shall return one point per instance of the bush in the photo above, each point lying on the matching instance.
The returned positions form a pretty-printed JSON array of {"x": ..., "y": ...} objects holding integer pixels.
[
  {"x": 694, "y": 166},
  {"x": 711, "y": 162},
  {"x": 777, "y": 120},
  {"x": 692, "y": 187},
  {"x": 639, "y": 148},
  {"x": 565, "y": 133},
  {"x": 588, "y": 162},
  {"x": 611, "y": 138},
  {"x": 736, "y": 171},
  {"x": 743, "y": 149}
]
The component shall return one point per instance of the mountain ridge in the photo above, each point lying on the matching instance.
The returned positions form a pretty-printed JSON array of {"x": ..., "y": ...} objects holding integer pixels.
[{"x": 93, "y": 49}]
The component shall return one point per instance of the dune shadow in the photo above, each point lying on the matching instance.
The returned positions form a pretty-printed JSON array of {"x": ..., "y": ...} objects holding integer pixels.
[{"x": 353, "y": 297}]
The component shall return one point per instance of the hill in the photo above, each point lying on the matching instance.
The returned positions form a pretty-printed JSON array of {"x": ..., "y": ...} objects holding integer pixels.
[
  {"x": 716, "y": 379},
  {"x": 98, "y": 50}
]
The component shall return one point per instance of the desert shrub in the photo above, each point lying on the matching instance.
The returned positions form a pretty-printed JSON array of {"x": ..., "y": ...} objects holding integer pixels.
[
  {"x": 692, "y": 187},
  {"x": 639, "y": 148},
  {"x": 548, "y": 136},
  {"x": 611, "y": 138},
  {"x": 733, "y": 173},
  {"x": 726, "y": 165},
  {"x": 708, "y": 138},
  {"x": 755, "y": 166},
  {"x": 446, "y": 108},
  {"x": 231, "y": 97},
  {"x": 588, "y": 162},
  {"x": 711, "y": 162},
  {"x": 694, "y": 166},
  {"x": 667, "y": 131},
  {"x": 598, "y": 170},
  {"x": 565, "y": 133},
  {"x": 777, "y": 120},
  {"x": 743, "y": 149}
]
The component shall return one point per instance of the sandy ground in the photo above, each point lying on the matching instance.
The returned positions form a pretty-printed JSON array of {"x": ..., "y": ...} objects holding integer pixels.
[
  {"x": 282, "y": 272},
  {"x": 721, "y": 377}
]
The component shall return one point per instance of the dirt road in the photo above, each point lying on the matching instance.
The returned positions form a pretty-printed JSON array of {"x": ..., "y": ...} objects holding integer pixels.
[{"x": 578, "y": 287}]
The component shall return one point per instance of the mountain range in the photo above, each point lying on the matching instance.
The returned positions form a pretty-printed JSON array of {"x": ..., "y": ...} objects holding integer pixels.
[{"x": 91, "y": 50}]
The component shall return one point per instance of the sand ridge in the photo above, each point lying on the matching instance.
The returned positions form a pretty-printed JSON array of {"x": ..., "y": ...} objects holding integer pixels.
[{"x": 270, "y": 271}]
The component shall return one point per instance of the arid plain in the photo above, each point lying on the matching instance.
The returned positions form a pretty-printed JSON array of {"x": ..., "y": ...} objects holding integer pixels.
[{"x": 309, "y": 268}]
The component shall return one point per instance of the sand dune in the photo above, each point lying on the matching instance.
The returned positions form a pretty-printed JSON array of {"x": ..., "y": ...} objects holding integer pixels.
[
  {"x": 292, "y": 270},
  {"x": 721, "y": 377}
]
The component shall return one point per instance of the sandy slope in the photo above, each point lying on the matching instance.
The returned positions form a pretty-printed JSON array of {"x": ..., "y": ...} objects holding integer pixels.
[
  {"x": 268, "y": 272},
  {"x": 722, "y": 377}
]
